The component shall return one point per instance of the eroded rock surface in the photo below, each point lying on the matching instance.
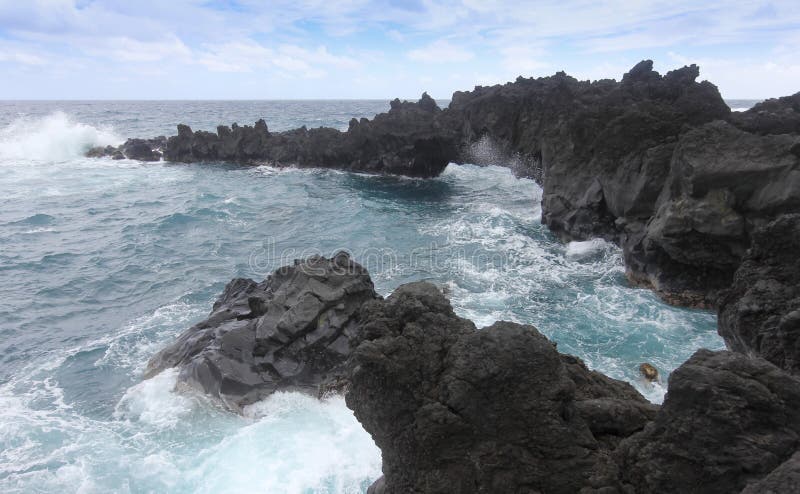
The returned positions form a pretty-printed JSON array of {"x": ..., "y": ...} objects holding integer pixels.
[
  {"x": 727, "y": 420},
  {"x": 760, "y": 314},
  {"x": 291, "y": 331},
  {"x": 460, "y": 410}
]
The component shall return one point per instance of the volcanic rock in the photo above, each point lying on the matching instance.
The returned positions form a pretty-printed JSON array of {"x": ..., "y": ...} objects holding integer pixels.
[
  {"x": 460, "y": 410},
  {"x": 289, "y": 332},
  {"x": 727, "y": 420},
  {"x": 760, "y": 314}
]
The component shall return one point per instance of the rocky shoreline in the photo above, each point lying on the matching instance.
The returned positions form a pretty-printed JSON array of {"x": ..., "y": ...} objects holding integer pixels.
[
  {"x": 455, "y": 409},
  {"x": 657, "y": 164},
  {"x": 705, "y": 204}
]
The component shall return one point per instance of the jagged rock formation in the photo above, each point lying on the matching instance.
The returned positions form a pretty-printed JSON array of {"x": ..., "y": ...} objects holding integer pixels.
[
  {"x": 727, "y": 420},
  {"x": 657, "y": 164},
  {"x": 134, "y": 149},
  {"x": 455, "y": 410},
  {"x": 291, "y": 331},
  {"x": 407, "y": 140},
  {"x": 760, "y": 314},
  {"x": 459, "y": 410}
]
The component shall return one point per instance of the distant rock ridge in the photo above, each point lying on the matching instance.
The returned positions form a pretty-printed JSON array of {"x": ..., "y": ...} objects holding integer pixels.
[
  {"x": 459, "y": 410},
  {"x": 656, "y": 163}
]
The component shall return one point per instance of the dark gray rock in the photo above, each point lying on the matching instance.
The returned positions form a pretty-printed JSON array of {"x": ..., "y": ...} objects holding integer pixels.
[
  {"x": 727, "y": 420},
  {"x": 723, "y": 183},
  {"x": 783, "y": 480},
  {"x": 760, "y": 314},
  {"x": 773, "y": 116},
  {"x": 457, "y": 410},
  {"x": 292, "y": 331},
  {"x": 655, "y": 163},
  {"x": 404, "y": 141},
  {"x": 134, "y": 149}
]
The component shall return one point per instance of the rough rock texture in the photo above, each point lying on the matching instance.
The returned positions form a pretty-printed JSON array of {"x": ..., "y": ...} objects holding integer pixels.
[
  {"x": 727, "y": 420},
  {"x": 783, "y": 480},
  {"x": 761, "y": 312},
  {"x": 407, "y": 140},
  {"x": 773, "y": 116},
  {"x": 723, "y": 183},
  {"x": 134, "y": 149},
  {"x": 656, "y": 163},
  {"x": 457, "y": 410},
  {"x": 292, "y": 331},
  {"x": 647, "y": 162}
]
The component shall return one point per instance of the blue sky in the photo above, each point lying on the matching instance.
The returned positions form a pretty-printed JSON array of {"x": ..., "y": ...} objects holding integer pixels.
[{"x": 247, "y": 49}]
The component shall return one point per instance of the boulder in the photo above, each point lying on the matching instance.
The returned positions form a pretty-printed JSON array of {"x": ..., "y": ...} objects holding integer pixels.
[
  {"x": 460, "y": 410},
  {"x": 292, "y": 331},
  {"x": 727, "y": 420}
]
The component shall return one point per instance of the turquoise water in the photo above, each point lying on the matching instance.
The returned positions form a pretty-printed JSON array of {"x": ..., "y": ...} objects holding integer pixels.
[{"x": 103, "y": 262}]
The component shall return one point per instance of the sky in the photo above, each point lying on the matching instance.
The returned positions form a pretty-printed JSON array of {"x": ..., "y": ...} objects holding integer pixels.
[{"x": 319, "y": 49}]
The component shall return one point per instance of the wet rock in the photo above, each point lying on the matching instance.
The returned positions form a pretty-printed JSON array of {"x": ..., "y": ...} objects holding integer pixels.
[
  {"x": 648, "y": 371},
  {"x": 291, "y": 331},
  {"x": 460, "y": 410},
  {"x": 134, "y": 149},
  {"x": 727, "y": 420},
  {"x": 760, "y": 314}
]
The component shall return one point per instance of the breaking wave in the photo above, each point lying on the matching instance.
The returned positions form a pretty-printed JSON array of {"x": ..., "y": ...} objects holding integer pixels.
[{"x": 55, "y": 137}]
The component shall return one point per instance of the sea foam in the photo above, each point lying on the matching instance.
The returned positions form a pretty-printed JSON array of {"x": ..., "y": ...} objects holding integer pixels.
[{"x": 55, "y": 137}]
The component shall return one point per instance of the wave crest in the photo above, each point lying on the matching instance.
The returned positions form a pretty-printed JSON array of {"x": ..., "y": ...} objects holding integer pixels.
[{"x": 55, "y": 137}]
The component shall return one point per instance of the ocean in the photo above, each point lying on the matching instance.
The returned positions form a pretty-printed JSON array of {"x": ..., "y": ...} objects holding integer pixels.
[{"x": 104, "y": 262}]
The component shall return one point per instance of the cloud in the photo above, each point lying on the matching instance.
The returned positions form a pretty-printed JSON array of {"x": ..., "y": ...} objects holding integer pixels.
[
  {"x": 398, "y": 44},
  {"x": 247, "y": 56},
  {"x": 132, "y": 50},
  {"x": 440, "y": 51},
  {"x": 14, "y": 53}
]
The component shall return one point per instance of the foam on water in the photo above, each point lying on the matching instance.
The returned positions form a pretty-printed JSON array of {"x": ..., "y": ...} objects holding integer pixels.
[
  {"x": 104, "y": 262},
  {"x": 55, "y": 137}
]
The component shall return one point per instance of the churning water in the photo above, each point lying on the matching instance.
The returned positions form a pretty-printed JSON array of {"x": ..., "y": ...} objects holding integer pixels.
[{"x": 103, "y": 262}]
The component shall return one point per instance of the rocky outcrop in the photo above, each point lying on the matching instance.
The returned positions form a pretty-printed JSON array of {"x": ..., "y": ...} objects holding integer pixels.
[
  {"x": 656, "y": 163},
  {"x": 289, "y": 332},
  {"x": 760, "y": 314},
  {"x": 773, "y": 116},
  {"x": 457, "y": 410},
  {"x": 723, "y": 184},
  {"x": 783, "y": 480},
  {"x": 727, "y": 421},
  {"x": 134, "y": 149},
  {"x": 407, "y": 140}
]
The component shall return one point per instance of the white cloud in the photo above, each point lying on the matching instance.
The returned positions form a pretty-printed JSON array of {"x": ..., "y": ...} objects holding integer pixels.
[
  {"x": 19, "y": 56},
  {"x": 132, "y": 50},
  {"x": 246, "y": 56},
  {"x": 523, "y": 60},
  {"x": 440, "y": 51}
]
